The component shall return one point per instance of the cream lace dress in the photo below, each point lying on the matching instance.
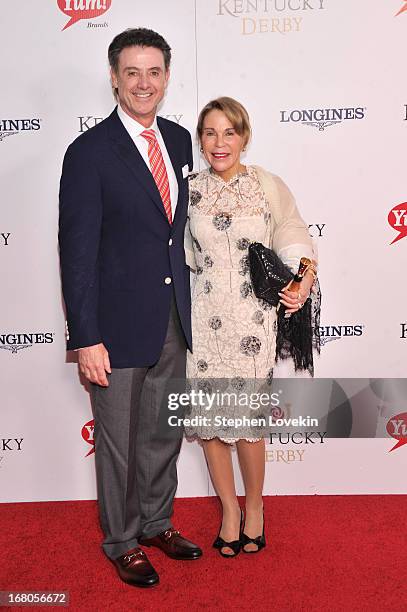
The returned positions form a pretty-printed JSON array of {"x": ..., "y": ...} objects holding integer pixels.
[{"x": 233, "y": 332}]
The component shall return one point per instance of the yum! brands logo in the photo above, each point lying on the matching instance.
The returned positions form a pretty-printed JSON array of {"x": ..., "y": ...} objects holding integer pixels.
[
  {"x": 397, "y": 429},
  {"x": 87, "y": 435},
  {"x": 83, "y": 9},
  {"x": 397, "y": 219},
  {"x": 403, "y": 8}
]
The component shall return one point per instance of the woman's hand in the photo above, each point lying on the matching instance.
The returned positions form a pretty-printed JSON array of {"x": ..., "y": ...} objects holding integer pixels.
[{"x": 294, "y": 300}]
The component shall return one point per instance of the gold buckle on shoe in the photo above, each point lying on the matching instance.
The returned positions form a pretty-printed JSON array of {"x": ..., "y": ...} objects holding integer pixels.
[
  {"x": 170, "y": 532},
  {"x": 128, "y": 558}
]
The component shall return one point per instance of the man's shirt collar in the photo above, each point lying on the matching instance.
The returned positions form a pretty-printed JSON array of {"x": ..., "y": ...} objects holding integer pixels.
[{"x": 133, "y": 127}]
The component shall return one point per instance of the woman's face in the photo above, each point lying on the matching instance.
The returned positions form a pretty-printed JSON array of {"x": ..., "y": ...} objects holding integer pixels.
[{"x": 221, "y": 144}]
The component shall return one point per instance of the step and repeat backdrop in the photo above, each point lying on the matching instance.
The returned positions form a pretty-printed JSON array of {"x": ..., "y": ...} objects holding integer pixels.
[{"x": 323, "y": 81}]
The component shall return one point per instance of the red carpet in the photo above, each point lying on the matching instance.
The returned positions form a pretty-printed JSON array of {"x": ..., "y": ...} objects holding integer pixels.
[{"x": 323, "y": 553}]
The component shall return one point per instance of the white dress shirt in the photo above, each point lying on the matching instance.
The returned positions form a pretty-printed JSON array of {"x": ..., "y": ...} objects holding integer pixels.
[{"x": 134, "y": 129}]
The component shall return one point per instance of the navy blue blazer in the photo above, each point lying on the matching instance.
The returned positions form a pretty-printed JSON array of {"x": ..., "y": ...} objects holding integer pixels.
[{"x": 117, "y": 246}]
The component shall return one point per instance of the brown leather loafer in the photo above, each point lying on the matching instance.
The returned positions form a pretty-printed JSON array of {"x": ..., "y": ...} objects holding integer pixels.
[
  {"x": 174, "y": 545},
  {"x": 134, "y": 568}
]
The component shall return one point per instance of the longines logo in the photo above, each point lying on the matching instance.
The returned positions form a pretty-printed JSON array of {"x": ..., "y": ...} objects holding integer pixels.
[
  {"x": 328, "y": 333},
  {"x": 4, "y": 238},
  {"x": 403, "y": 8},
  {"x": 8, "y": 445},
  {"x": 316, "y": 229},
  {"x": 12, "y": 127},
  {"x": 77, "y": 10},
  {"x": 86, "y": 122},
  {"x": 322, "y": 118},
  {"x": 17, "y": 342},
  {"x": 273, "y": 16},
  {"x": 403, "y": 331},
  {"x": 397, "y": 219},
  {"x": 87, "y": 435}
]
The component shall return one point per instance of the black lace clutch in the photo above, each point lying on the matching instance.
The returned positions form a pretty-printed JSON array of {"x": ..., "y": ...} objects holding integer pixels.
[
  {"x": 296, "y": 337},
  {"x": 268, "y": 273}
]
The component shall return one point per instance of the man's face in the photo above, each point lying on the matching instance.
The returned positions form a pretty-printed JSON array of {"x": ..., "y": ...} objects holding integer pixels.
[{"x": 141, "y": 79}]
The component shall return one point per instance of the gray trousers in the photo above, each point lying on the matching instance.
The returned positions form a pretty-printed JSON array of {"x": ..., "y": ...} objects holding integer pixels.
[{"x": 135, "y": 459}]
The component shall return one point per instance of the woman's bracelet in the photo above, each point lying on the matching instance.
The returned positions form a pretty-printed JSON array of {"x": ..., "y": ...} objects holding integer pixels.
[{"x": 312, "y": 269}]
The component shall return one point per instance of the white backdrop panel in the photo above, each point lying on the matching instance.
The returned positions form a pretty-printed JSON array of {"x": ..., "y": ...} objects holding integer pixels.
[{"x": 327, "y": 54}]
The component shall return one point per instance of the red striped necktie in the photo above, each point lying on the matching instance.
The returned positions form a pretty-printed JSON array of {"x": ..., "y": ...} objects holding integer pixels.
[{"x": 158, "y": 170}]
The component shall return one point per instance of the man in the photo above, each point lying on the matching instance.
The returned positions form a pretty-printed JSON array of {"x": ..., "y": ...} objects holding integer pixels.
[{"x": 123, "y": 207}]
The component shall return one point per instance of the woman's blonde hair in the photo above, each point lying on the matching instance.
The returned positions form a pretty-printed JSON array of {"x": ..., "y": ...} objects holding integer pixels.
[{"x": 234, "y": 111}]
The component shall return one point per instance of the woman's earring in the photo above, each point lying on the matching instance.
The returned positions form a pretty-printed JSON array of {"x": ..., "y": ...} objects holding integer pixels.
[{"x": 201, "y": 150}]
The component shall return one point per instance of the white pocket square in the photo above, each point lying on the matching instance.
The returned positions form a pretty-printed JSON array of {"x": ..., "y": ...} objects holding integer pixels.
[{"x": 185, "y": 171}]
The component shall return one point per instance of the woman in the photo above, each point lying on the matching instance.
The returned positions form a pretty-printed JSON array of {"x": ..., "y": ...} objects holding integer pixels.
[{"x": 234, "y": 334}]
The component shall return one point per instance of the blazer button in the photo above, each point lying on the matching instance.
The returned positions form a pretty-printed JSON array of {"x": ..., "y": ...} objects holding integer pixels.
[
  {"x": 168, "y": 280},
  {"x": 170, "y": 242}
]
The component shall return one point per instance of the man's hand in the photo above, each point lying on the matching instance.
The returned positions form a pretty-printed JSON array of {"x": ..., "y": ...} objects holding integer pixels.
[{"x": 94, "y": 363}]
